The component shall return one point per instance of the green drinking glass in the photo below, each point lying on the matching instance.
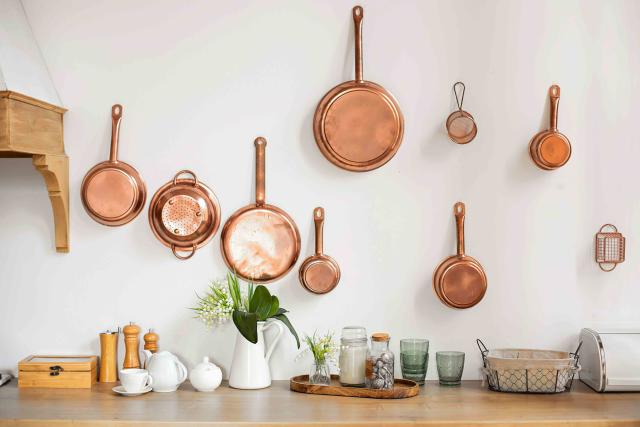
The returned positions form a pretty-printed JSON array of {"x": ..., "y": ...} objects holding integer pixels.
[
  {"x": 450, "y": 366},
  {"x": 414, "y": 359}
]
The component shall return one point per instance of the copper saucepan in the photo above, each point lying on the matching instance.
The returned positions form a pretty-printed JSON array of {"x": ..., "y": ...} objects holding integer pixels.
[
  {"x": 113, "y": 192},
  {"x": 184, "y": 214},
  {"x": 260, "y": 242},
  {"x": 358, "y": 125},
  {"x": 319, "y": 273},
  {"x": 459, "y": 280},
  {"x": 550, "y": 149}
]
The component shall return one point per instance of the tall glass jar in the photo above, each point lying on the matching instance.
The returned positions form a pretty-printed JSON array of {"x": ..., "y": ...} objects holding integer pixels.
[
  {"x": 379, "y": 367},
  {"x": 353, "y": 355}
]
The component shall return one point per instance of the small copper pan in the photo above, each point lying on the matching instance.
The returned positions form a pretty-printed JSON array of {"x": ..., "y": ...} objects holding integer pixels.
[
  {"x": 550, "y": 149},
  {"x": 459, "y": 281},
  {"x": 113, "y": 192},
  {"x": 184, "y": 214},
  {"x": 319, "y": 273},
  {"x": 358, "y": 125},
  {"x": 260, "y": 242}
]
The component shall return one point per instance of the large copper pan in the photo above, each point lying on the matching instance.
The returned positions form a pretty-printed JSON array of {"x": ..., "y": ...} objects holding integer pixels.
[
  {"x": 319, "y": 273},
  {"x": 184, "y": 214},
  {"x": 113, "y": 192},
  {"x": 459, "y": 280},
  {"x": 550, "y": 149},
  {"x": 358, "y": 125},
  {"x": 260, "y": 242}
]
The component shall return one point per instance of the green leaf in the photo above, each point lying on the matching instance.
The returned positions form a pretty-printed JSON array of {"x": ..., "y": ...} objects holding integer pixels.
[
  {"x": 247, "y": 324},
  {"x": 234, "y": 290},
  {"x": 283, "y": 318},
  {"x": 275, "y": 306},
  {"x": 260, "y": 304},
  {"x": 280, "y": 311}
]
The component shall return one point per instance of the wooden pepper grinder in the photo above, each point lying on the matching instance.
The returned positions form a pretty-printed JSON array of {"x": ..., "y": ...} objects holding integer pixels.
[
  {"x": 109, "y": 357},
  {"x": 151, "y": 341},
  {"x": 131, "y": 356}
]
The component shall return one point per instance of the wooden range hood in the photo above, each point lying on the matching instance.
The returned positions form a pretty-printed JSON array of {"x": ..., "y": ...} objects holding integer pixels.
[
  {"x": 33, "y": 128},
  {"x": 30, "y": 120}
]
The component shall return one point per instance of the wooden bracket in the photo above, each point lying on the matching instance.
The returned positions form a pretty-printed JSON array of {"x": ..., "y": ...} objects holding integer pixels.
[
  {"x": 33, "y": 128},
  {"x": 55, "y": 171}
]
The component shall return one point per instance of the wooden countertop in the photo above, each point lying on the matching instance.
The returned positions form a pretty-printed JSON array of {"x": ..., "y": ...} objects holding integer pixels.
[{"x": 468, "y": 405}]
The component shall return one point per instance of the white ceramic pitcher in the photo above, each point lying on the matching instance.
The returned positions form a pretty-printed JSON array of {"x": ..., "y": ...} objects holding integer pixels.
[{"x": 250, "y": 365}]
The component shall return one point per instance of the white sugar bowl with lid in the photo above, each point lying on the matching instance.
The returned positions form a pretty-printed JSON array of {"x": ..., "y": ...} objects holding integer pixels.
[{"x": 205, "y": 376}]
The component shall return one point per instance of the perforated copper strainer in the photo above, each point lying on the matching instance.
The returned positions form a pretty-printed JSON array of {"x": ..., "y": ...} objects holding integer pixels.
[
  {"x": 461, "y": 126},
  {"x": 184, "y": 214}
]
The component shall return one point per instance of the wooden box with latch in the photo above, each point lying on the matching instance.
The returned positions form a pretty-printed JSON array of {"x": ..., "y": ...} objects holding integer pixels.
[{"x": 58, "y": 371}]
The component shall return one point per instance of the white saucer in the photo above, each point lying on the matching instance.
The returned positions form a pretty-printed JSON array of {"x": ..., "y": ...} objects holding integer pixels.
[{"x": 120, "y": 390}]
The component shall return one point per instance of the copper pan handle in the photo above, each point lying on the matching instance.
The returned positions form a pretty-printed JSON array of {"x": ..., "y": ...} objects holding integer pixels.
[
  {"x": 174, "y": 249},
  {"x": 116, "y": 117},
  {"x": 458, "y": 211},
  {"x": 260, "y": 144},
  {"x": 185, "y": 172},
  {"x": 554, "y": 97},
  {"x": 358, "y": 14},
  {"x": 318, "y": 219}
]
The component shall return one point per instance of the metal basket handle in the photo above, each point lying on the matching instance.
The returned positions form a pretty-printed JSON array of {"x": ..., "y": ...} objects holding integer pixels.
[{"x": 483, "y": 348}]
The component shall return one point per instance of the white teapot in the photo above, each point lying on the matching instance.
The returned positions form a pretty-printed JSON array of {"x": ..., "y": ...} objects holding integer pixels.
[
  {"x": 166, "y": 371},
  {"x": 205, "y": 376}
]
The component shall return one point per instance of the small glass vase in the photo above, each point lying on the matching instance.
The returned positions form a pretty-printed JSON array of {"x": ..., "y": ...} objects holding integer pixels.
[{"x": 320, "y": 374}]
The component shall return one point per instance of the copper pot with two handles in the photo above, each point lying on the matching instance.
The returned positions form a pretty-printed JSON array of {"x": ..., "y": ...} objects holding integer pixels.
[{"x": 184, "y": 214}]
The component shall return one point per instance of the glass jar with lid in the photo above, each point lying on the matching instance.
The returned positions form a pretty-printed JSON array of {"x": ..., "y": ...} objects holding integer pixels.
[
  {"x": 353, "y": 355},
  {"x": 379, "y": 366}
]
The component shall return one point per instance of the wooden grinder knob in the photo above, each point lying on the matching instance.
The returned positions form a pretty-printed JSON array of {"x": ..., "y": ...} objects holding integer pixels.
[
  {"x": 151, "y": 341},
  {"x": 131, "y": 356}
]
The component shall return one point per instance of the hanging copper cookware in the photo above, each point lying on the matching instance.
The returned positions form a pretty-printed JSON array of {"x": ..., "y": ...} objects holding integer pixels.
[
  {"x": 358, "y": 125},
  {"x": 184, "y": 214},
  {"x": 319, "y": 273},
  {"x": 260, "y": 242},
  {"x": 550, "y": 149},
  {"x": 113, "y": 192},
  {"x": 461, "y": 127},
  {"x": 459, "y": 281}
]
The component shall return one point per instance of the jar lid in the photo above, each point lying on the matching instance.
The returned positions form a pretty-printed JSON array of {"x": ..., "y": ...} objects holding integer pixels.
[
  {"x": 354, "y": 333},
  {"x": 380, "y": 336}
]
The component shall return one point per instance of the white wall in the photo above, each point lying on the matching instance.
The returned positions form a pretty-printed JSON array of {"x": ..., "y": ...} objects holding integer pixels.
[
  {"x": 200, "y": 80},
  {"x": 22, "y": 68}
]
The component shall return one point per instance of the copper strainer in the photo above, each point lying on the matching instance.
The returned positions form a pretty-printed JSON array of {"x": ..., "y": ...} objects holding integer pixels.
[
  {"x": 461, "y": 127},
  {"x": 184, "y": 214}
]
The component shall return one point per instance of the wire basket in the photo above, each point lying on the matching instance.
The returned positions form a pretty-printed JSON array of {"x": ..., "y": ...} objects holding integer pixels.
[
  {"x": 514, "y": 370},
  {"x": 610, "y": 247}
]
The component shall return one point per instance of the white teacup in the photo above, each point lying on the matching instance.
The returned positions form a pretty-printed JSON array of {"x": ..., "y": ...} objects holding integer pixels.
[{"x": 135, "y": 380}]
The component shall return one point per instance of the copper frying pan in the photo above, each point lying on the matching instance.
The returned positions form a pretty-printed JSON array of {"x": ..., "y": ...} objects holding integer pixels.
[
  {"x": 113, "y": 192},
  {"x": 319, "y": 273},
  {"x": 459, "y": 281},
  {"x": 260, "y": 242},
  {"x": 550, "y": 149},
  {"x": 358, "y": 125}
]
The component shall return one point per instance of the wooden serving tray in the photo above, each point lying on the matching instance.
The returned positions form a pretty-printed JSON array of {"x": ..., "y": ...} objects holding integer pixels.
[{"x": 401, "y": 389}]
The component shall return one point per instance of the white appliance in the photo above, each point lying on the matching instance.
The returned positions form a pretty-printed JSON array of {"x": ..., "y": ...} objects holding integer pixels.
[{"x": 610, "y": 359}]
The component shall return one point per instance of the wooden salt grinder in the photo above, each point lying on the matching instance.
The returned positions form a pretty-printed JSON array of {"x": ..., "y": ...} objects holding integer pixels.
[
  {"x": 131, "y": 356},
  {"x": 108, "y": 357},
  {"x": 151, "y": 341}
]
